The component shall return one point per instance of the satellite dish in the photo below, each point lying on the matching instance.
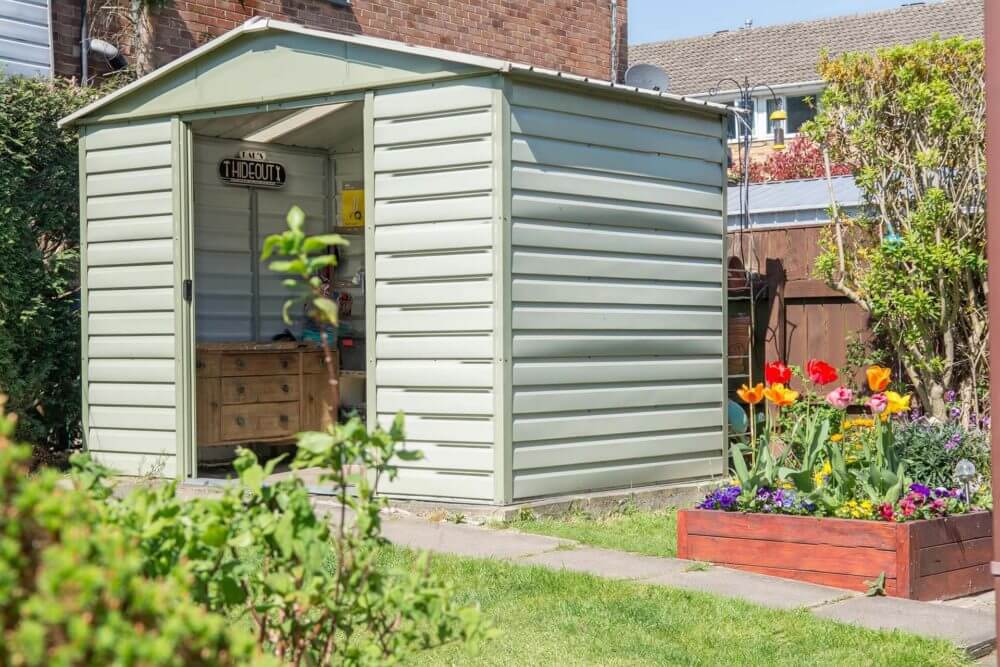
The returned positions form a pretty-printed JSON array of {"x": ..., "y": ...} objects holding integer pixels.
[{"x": 650, "y": 77}]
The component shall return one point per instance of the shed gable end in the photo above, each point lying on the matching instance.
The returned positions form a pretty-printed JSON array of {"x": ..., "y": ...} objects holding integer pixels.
[{"x": 274, "y": 65}]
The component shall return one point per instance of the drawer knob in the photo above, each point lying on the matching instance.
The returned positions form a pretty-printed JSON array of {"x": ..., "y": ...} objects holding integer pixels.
[
  {"x": 240, "y": 363},
  {"x": 284, "y": 363},
  {"x": 285, "y": 388},
  {"x": 241, "y": 421},
  {"x": 283, "y": 419},
  {"x": 200, "y": 364},
  {"x": 241, "y": 389}
]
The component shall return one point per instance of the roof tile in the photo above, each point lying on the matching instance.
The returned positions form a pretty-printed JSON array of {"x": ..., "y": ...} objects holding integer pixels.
[{"x": 788, "y": 53}]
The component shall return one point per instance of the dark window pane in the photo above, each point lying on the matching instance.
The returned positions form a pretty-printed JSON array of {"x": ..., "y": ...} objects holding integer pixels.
[{"x": 800, "y": 110}]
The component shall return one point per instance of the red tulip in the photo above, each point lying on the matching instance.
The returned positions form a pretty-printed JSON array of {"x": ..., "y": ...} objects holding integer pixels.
[
  {"x": 820, "y": 372},
  {"x": 776, "y": 372}
]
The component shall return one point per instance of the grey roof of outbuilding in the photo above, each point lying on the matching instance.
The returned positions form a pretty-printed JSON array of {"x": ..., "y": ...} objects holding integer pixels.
[
  {"x": 802, "y": 195},
  {"x": 788, "y": 54}
]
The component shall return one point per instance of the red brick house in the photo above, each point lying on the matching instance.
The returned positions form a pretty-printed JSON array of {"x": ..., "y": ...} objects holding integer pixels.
[{"x": 585, "y": 37}]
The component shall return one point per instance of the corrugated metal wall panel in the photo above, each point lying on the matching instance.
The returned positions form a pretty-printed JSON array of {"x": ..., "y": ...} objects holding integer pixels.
[
  {"x": 25, "y": 38},
  {"x": 130, "y": 351},
  {"x": 617, "y": 313},
  {"x": 434, "y": 283},
  {"x": 224, "y": 255}
]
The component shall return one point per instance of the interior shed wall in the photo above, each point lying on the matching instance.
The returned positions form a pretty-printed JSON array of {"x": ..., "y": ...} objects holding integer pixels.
[
  {"x": 129, "y": 351},
  {"x": 432, "y": 251},
  {"x": 228, "y": 271},
  {"x": 616, "y": 288}
]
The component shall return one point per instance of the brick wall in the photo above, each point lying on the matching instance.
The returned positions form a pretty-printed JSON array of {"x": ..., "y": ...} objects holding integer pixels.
[{"x": 568, "y": 35}]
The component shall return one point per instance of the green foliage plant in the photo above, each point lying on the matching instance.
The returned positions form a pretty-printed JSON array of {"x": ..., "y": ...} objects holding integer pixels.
[
  {"x": 39, "y": 257},
  {"x": 313, "y": 594},
  {"x": 932, "y": 449},
  {"x": 911, "y": 119},
  {"x": 74, "y": 589}
]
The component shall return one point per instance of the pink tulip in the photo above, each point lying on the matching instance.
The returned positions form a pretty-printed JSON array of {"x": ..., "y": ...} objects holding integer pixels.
[
  {"x": 877, "y": 403},
  {"x": 840, "y": 398}
]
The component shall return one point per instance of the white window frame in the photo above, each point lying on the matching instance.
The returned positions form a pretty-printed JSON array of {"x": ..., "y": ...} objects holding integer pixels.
[{"x": 762, "y": 126}]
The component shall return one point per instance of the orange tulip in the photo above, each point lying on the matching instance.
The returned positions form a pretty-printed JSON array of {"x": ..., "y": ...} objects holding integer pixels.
[
  {"x": 780, "y": 395},
  {"x": 878, "y": 377},
  {"x": 751, "y": 395}
]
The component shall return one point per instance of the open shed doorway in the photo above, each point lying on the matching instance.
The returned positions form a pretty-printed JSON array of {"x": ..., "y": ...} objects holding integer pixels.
[{"x": 259, "y": 381}]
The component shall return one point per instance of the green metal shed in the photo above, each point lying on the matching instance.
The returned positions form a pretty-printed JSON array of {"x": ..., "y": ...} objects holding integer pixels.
[{"x": 540, "y": 262}]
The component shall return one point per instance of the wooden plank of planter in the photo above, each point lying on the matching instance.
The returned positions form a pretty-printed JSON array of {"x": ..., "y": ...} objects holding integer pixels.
[
  {"x": 850, "y": 582},
  {"x": 954, "y": 583},
  {"x": 951, "y": 529},
  {"x": 682, "y": 534},
  {"x": 862, "y": 561},
  {"x": 907, "y": 563},
  {"x": 955, "y": 556},
  {"x": 804, "y": 530}
]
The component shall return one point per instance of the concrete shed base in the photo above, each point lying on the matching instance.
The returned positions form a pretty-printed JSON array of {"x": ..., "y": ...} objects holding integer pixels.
[{"x": 652, "y": 497}]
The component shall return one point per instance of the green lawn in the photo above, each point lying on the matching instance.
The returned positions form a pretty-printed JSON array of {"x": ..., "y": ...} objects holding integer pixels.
[
  {"x": 564, "y": 618},
  {"x": 650, "y": 533}
]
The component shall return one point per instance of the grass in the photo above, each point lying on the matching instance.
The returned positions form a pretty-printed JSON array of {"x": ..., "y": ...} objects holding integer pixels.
[
  {"x": 547, "y": 617},
  {"x": 650, "y": 533}
]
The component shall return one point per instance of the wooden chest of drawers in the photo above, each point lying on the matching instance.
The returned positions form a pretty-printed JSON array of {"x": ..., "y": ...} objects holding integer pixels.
[{"x": 259, "y": 392}]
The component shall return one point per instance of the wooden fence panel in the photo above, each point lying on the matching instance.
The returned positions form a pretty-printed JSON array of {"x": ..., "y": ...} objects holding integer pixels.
[{"x": 799, "y": 316}]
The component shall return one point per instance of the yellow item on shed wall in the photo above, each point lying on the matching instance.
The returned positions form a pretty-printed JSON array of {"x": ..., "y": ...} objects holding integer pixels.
[{"x": 352, "y": 208}]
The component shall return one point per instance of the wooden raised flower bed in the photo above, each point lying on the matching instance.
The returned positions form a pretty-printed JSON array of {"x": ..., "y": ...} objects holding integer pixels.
[{"x": 936, "y": 559}]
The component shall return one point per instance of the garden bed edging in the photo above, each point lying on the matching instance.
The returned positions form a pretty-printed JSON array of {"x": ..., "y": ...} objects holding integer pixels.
[{"x": 935, "y": 559}]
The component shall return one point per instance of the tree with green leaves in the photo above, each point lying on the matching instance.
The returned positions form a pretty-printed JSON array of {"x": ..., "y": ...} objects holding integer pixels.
[
  {"x": 40, "y": 258},
  {"x": 911, "y": 119}
]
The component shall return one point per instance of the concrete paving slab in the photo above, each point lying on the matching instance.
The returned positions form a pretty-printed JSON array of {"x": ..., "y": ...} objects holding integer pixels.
[
  {"x": 750, "y": 587},
  {"x": 971, "y": 630},
  {"x": 607, "y": 563},
  {"x": 462, "y": 540}
]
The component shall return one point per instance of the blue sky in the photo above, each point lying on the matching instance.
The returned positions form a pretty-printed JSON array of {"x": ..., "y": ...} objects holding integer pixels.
[{"x": 656, "y": 20}]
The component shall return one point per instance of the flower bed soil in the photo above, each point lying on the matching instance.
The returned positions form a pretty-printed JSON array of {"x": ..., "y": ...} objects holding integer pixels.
[{"x": 936, "y": 559}]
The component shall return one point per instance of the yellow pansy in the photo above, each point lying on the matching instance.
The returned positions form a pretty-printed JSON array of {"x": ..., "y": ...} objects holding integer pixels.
[{"x": 820, "y": 475}]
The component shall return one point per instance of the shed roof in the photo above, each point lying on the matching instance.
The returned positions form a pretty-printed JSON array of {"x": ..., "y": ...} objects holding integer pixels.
[
  {"x": 258, "y": 26},
  {"x": 788, "y": 53}
]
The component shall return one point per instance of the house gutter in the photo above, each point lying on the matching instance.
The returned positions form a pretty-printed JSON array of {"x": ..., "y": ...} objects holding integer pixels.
[{"x": 992, "y": 38}]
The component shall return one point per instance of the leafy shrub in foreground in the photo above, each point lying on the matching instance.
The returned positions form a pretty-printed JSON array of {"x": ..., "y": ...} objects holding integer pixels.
[
  {"x": 72, "y": 588},
  {"x": 313, "y": 594}
]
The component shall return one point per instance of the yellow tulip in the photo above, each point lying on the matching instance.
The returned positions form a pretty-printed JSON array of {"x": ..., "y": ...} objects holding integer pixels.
[
  {"x": 896, "y": 403},
  {"x": 878, "y": 377},
  {"x": 781, "y": 395},
  {"x": 751, "y": 395}
]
